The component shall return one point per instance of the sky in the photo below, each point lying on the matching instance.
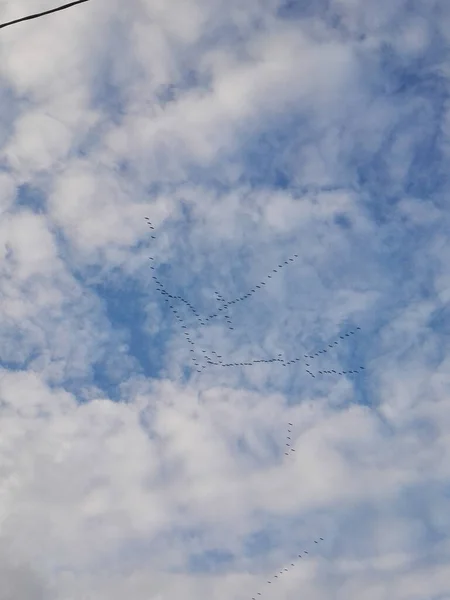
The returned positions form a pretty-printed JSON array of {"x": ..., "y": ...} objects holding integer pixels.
[{"x": 216, "y": 219}]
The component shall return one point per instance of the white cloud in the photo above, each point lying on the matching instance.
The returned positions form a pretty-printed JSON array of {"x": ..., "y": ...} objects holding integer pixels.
[{"x": 245, "y": 137}]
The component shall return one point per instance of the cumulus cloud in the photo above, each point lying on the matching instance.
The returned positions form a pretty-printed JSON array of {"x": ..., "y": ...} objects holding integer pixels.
[{"x": 302, "y": 145}]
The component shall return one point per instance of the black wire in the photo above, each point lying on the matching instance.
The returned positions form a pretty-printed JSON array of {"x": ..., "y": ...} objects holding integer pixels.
[{"x": 47, "y": 12}]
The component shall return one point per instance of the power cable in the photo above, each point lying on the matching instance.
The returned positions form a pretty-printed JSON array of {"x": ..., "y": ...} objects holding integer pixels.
[{"x": 47, "y": 12}]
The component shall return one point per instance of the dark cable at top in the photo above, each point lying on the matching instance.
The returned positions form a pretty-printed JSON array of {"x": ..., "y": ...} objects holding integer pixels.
[{"x": 47, "y": 12}]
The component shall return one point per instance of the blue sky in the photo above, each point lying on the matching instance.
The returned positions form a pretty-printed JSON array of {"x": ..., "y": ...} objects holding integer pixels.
[{"x": 301, "y": 147}]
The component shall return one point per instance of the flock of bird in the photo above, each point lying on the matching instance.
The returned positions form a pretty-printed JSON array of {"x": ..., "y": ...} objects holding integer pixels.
[
  {"x": 289, "y": 443},
  {"x": 305, "y": 554},
  {"x": 213, "y": 359},
  {"x": 284, "y": 570}
]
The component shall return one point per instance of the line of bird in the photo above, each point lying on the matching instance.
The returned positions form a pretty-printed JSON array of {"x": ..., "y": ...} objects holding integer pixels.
[
  {"x": 284, "y": 570},
  {"x": 289, "y": 444},
  {"x": 170, "y": 299},
  {"x": 252, "y": 291},
  {"x": 218, "y": 360}
]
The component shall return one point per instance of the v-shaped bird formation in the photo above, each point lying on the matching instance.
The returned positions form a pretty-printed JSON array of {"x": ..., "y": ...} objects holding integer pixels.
[
  {"x": 202, "y": 358},
  {"x": 282, "y": 573}
]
